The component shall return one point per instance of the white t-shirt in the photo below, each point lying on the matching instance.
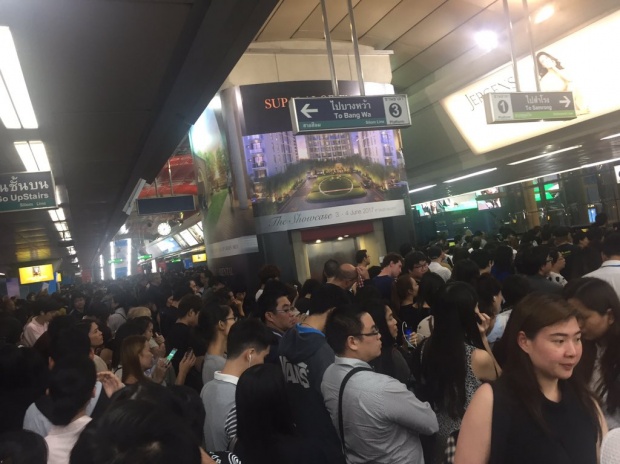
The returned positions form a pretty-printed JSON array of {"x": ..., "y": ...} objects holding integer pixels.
[{"x": 60, "y": 440}]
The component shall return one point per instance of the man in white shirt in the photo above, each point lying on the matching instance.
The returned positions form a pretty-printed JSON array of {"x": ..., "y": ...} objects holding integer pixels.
[
  {"x": 45, "y": 309},
  {"x": 248, "y": 344},
  {"x": 379, "y": 420},
  {"x": 610, "y": 269},
  {"x": 436, "y": 255}
]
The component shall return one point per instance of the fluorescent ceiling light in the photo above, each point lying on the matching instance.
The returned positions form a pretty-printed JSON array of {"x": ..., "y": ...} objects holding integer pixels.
[
  {"x": 7, "y": 112},
  {"x": 544, "y": 14},
  {"x": 14, "y": 80},
  {"x": 612, "y": 136},
  {"x": 422, "y": 188},
  {"x": 65, "y": 236},
  {"x": 487, "y": 40},
  {"x": 544, "y": 155},
  {"x": 33, "y": 155},
  {"x": 591, "y": 165},
  {"x": 479, "y": 173},
  {"x": 40, "y": 155},
  {"x": 61, "y": 226},
  {"x": 24, "y": 152},
  {"x": 57, "y": 214}
]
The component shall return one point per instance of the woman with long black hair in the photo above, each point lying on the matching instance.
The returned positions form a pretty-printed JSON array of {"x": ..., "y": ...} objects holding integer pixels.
[
  {"x": 538, "y": 411},
  {"x": 456, "y": 358}
]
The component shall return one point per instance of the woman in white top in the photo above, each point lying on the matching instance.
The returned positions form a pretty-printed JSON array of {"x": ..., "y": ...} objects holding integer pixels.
[{"x": 72, "y": 385}]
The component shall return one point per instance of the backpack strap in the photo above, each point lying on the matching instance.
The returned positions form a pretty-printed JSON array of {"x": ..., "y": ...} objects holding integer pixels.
[{"x": 350, "y": 374}]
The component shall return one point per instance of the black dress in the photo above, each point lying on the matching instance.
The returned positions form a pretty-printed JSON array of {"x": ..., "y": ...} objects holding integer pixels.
[{"x": 517, "y": 438}]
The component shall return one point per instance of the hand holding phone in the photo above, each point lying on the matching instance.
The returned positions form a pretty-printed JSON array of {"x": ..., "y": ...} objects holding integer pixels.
[{"x": 170, "y": 356}]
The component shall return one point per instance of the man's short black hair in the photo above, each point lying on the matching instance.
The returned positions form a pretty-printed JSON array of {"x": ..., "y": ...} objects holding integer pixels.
[
  {"x": 343, "y": 322},
  {"x": 69, "y": 343},
  {"x": 611, "y": 245},
  {"x": 414, "y": 258},
  {"x": 561, "y": 232},
  {"x": 248, "y": 333},
  {"x": 189, "y": 302},
  {"x": 533, "y": 259},
  {"x": 391, "y": 258},
  {"x": 330, "y": 268},
  {"x": 481, "y": 257},
  {"x": 360, "y": 255},
  {"x": 46, "y": 305},
  {"x": 268, "y": 301},
  {"x": 434, "y": 252}
]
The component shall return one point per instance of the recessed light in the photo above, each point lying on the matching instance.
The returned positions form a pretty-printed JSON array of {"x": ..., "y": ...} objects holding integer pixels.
[
  {"x": 487, "y": 40},
  {"x": 340, "y": 238},
  {"x": 544, "y": 14},
  {"x": 318, "y": 241}
]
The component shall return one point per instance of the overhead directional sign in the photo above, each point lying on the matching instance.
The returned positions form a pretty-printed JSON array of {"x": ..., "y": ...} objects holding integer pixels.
[
  {"x": 529, "y": 106},
  {"x": 341, "y": 114},
  {"x": 21, "y": 191}
]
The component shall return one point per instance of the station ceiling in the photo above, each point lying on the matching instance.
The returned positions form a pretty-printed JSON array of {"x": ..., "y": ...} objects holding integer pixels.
[{"x": 116, "y": 84}]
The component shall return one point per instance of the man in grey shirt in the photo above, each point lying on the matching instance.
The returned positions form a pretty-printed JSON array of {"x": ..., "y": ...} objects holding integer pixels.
[
  {"x": 382, "y": 420},
  {"x": 248, "y": 344}
]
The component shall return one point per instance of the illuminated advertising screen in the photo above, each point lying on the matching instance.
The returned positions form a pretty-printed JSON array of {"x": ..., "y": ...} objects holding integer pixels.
[
  {"x": 199, "y": 258},
  {"x": 488, "y": 199},
  {"x": 35, "y": 274},
  {"x": 448, "y": 205},
  {"x": 578, "y": 63}
]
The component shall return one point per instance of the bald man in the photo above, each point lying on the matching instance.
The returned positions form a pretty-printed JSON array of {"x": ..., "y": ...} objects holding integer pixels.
[{"x": 344, "y": 279}]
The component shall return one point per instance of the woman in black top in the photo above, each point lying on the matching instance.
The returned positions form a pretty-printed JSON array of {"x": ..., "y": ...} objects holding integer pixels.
[{"x": 537, "y": 412}]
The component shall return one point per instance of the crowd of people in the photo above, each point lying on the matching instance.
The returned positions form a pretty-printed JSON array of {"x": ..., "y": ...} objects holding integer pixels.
[{"x": 486, "y": 350}]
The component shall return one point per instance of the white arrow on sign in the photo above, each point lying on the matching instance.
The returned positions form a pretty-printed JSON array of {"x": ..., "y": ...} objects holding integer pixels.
[
  {"x": 306, "y": 110},
  {"x": 566, "y": 101}
]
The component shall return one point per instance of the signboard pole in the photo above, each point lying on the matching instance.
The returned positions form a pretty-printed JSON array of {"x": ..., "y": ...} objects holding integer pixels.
[
  {"x": 356, "y": 49},
  {"x": 330, "y": 50}
]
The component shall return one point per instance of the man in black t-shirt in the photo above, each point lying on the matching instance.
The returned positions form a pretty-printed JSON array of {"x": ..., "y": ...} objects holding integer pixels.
[{"x": 564, "y": 245}]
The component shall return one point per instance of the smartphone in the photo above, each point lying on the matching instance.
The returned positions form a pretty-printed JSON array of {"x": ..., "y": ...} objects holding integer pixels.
[
  {"x": 171, "y": 355},
  {"x": 407, "y": 331}
]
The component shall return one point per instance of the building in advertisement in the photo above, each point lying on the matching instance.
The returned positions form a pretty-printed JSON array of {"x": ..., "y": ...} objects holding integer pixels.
[
  {"x": 329, "y": 147},
  {"x": 376, "y": 146},
  {"x": 269, "y": 154}
]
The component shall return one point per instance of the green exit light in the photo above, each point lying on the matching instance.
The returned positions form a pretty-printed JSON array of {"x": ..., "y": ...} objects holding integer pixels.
[
  {"x": 145, "y": 257},
  {"x": 115, "y": 261}
]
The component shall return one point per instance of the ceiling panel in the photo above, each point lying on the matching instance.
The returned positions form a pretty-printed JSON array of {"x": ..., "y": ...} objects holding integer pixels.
[
  {"x": 286, "y": 19},
  {"x": 398, "y": 21},
  {"x": 312, "y": 27},
  {"x": 367, "y": 13}
]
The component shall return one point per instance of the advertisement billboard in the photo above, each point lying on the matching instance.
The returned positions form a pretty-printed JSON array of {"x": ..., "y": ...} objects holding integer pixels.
[
  {"x": 579, "y": 63},
  {"x": 300, "y": 181},
  {"x": 35, "y": 274}
]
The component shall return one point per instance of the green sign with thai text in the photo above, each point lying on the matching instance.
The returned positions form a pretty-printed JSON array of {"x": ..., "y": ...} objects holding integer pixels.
[{"x": 22, "y": 191}]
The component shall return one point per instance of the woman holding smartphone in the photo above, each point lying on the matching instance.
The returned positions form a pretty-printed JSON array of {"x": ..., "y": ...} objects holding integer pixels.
[
  {"x": 538, "y": 411},
  {"x": 137, "y": 363}
]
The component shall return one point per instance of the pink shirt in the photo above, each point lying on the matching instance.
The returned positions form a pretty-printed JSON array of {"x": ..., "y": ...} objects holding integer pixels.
[{"x": 33, "y": 331}]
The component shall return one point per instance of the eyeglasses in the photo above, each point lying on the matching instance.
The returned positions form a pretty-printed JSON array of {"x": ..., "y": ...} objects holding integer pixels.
[
  {"x": 419, "y": 266},
  {"x": 285, "y": 311},
  {"x": 234, "y": 318},
  {"x": 374, "y": 333}
]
